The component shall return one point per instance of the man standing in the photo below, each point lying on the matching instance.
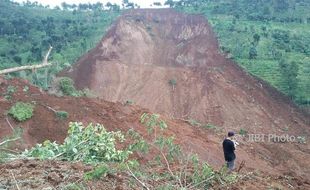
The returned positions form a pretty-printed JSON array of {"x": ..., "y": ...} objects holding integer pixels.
[{"x": 229, "y": 151}]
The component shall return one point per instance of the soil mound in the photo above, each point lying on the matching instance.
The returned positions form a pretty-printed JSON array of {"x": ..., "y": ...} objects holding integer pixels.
[{"x": 170, "y": 63}]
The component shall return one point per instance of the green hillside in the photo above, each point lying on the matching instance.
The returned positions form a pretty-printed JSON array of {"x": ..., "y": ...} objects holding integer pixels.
[
  {"x": 270, "y": 39},
  {"x": 28, "y": 30}
]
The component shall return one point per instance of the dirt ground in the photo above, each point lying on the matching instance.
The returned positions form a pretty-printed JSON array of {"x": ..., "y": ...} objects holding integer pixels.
[
  {"x": 135, "y": 61},
  {"x": 38, "y": 175},
  {"x": 277, "y": 160}
]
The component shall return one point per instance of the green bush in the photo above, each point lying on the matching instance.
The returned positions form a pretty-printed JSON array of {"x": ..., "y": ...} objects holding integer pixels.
[
  {"x": 62, "y": 114},
  {"x": 9, "y": 92},
  {"x": 21, "y": 111},
  {"x": 66, "y": 85},
  {"x": 92, "y": 144}
]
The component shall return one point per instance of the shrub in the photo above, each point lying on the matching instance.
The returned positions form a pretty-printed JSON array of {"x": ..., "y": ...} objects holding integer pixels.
[
  {"x": 9, "y": 92},
  {"x": 21, "y": 111},
  {"x": 91, "y": 144},
  {"x": 62, "y": 114},
  {"x": 66, "y": 85}
]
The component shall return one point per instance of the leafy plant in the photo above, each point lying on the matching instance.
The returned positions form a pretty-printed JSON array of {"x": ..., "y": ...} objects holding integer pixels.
[
  {"x": 152, "y": 122},
  {"x": 91, "y": 144},
  {"x": 62, "y": 114},
  {"x": 10, "y": 90},
  {"x": 66, "y": 85},
  {"x": 138, "y": 143},
  {"x": 21, "y": 111}
]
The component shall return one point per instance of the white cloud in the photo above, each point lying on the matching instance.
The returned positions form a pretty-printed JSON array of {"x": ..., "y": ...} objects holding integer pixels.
[{"x": 53, "y": 3}]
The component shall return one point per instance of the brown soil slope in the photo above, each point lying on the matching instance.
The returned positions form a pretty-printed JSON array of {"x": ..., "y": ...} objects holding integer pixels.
[
  {"x": 145, "y": 49},
  {"x": 286, "y": 161}
]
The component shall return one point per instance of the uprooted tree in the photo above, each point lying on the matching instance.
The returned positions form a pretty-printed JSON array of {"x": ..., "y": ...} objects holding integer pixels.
[{"x": 29, "y": 67}]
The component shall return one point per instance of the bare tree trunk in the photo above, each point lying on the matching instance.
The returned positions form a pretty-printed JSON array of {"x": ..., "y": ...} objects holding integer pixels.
[{"x": 27, "y": 67}]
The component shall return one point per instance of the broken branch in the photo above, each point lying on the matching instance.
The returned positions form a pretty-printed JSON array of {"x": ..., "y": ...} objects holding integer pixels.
[
  {"x": 28, "y": 67},
  {"x": 134, "y": 176},
  {"x": 9, "y": 140},
  {"x": 7, "y": 120}
]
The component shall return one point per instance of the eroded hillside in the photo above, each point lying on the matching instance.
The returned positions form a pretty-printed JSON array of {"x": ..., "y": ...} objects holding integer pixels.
[{"x": 169, "y": 62}]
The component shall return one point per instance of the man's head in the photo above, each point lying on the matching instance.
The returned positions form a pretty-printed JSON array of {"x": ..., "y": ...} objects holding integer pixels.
[{"x": 231, "y": 134}]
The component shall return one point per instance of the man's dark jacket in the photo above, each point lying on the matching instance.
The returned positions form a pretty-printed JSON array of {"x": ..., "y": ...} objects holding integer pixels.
[{"x": 229, "y": 150}]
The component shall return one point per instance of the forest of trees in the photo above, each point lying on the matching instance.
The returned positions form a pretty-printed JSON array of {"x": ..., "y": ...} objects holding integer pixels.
[
  {"x": 268, "y": 38},
  {"x": 27, "y": 30}
]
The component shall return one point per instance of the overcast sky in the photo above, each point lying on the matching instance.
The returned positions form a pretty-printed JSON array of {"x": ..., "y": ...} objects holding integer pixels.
[{"x": 52, "y": 3}]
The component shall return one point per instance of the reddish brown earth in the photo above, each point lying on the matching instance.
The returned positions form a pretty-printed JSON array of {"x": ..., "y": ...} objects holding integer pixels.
[
  {"x": 135, "y": 61},
  {"x": 145, "y": 49},
  {"x": 281, "y": 163}
]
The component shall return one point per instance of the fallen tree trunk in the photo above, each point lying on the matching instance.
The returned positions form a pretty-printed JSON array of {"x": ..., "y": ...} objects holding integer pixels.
[{"x": 27, "y": 67}]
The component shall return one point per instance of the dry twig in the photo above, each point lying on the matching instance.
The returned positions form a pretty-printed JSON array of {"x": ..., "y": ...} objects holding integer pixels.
[
  {"x": 9, "y": 140},
  {"x": 134, "y": 176},
  {"x": 15, "y": 180},
  {"x": 7, "y": 120}
]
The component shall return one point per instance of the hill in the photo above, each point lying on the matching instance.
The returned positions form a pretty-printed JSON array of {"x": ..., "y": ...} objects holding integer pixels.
[{"x": 169, "y": 62}]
